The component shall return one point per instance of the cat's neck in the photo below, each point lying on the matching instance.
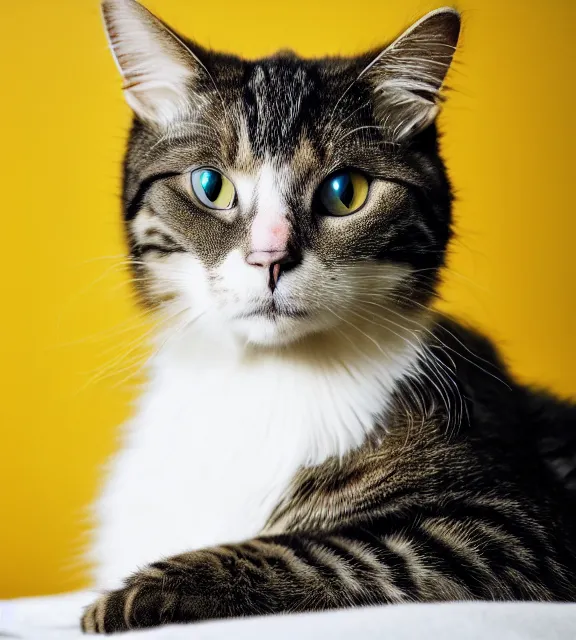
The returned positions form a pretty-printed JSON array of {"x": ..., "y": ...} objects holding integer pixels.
[{"x": 328, "y": 391}]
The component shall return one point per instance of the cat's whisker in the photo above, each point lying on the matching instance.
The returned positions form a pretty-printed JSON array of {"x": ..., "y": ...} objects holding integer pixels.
[
  {"x": 443, "y": 345},
  {"x": 442, "y": 371},
  {"x": 135, "y": 343},
  {"x": 136, "y": 365},
  {"x": 433, "y": 359},
  {"x": 361, "y": 128},
  {"x": 118, "y": 256},
  {"x": 110, "y": 368},
  {"x": 173, "y": 137},
  {"x": 418, "y": 339},
  {"x": 127, "y": 326},
  {"x": 356, "y": 328},
  {"x": 172, "y": 334},
  {"x": 352, "y": 113}
]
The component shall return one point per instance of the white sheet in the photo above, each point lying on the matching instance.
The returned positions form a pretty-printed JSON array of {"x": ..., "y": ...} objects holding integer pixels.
[{"x": 56, "y": 618}]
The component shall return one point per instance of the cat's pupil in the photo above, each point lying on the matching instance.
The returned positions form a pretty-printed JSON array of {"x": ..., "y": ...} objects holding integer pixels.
[
  {"x": 211, "y": 182},
  {"x": 343, "y": 189}
]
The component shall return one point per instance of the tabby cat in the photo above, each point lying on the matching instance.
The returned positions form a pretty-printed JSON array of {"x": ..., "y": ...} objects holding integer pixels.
[{"x": 310, "y": 426}]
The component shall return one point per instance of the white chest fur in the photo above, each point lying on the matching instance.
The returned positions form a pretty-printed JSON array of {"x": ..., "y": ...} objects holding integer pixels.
[{"x": 218, "y": 436}]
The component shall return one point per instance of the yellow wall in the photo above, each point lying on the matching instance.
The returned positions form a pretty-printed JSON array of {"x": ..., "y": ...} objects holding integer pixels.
[{"x": 67, "y": 319}]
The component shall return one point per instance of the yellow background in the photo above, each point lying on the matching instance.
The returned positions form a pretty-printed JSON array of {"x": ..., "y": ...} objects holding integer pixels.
[{"x": 69, "y": 334}]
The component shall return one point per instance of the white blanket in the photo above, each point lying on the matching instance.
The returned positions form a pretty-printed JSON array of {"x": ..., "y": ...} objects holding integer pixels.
[{"x": 56, "y": 618}]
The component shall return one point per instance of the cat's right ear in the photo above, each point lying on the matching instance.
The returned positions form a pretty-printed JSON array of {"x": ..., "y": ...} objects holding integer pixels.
[{"x": 158, "y": 69}]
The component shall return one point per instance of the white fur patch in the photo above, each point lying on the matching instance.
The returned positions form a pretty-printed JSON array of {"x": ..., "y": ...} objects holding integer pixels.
[
  {"x": 237, "y": 402},
  {"x": 220, "y": 432},
  {"x": 245, "y": 187}
]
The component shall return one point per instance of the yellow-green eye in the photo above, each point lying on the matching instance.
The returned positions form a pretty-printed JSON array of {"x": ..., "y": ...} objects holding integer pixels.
[
  {"x": 344, "y": 192},
  {"x": 213, "y": 189}
]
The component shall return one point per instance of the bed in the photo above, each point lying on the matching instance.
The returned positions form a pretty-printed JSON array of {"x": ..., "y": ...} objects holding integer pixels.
[{"x": 56, "y": 618}]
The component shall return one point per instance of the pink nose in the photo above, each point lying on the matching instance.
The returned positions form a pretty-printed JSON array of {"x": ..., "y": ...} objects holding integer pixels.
[
  {"x": 274, "y": 261},
  {"x": 267, "y": 258}
]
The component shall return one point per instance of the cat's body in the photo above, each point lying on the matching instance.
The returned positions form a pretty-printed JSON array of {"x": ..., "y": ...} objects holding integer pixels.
[
  {"x": 210, "y": 414},
  {"x": 169, "y": 487},
  {"x": 466, "y": 483},
  {"x": 312, "y": 434}
]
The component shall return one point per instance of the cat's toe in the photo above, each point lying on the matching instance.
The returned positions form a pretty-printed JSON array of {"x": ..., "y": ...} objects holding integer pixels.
[
  {"x": 144, "y": 602},
  {"x": 107, "y": 614},
  {"x": 88, "y": 621}
]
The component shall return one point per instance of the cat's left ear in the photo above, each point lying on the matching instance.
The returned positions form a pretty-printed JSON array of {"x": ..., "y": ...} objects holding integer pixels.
[
  {"x": 407, "y": 76},
  {"x": 159, "y": 70}
]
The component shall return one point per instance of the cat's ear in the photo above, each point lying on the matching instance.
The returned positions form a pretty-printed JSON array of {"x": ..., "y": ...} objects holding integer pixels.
[
  {"x": 407, "y": 76},
  {"x": 158, "y": 69}
]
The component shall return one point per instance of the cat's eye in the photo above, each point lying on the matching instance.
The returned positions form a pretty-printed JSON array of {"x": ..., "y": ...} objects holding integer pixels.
[
  {"x": 212, "y": 188},
  {"x": 344, "y": 192}
]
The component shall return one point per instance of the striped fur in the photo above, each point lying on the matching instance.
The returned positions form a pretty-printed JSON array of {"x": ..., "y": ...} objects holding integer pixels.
[{"x": 457, "y": 482}]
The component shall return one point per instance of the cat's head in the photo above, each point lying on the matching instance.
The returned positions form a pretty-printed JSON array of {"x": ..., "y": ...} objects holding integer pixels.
[{"x": 283, "y": 197}]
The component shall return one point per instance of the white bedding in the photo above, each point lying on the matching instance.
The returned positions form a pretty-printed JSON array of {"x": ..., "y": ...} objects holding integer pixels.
[{"x": 56, "y": 618}]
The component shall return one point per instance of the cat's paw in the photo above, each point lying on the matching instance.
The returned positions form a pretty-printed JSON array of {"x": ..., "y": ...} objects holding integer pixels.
[{"x": 147, "y": 600}]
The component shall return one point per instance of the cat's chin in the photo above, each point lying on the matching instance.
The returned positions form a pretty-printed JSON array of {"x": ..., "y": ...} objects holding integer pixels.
[{"x": 279, "y": 331}]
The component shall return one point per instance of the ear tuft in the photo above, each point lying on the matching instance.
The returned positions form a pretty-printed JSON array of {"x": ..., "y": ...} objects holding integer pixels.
[
  {"x": 157, "y": 67},
  {"x": 407, "y": 76}
]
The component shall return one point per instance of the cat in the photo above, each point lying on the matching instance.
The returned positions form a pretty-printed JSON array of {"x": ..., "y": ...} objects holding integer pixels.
[{"x": 312, "y": 435}]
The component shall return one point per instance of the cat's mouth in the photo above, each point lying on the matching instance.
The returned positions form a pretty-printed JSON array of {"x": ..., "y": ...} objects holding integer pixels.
[
  {"x": 273, "y": 311},
  {"x": 273, "y": 323}
]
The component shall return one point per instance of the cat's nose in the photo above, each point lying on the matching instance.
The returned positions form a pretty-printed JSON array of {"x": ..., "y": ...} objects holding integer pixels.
[
  {"x": 275, "y": 261},
  {"x": 267, "y": 258}
]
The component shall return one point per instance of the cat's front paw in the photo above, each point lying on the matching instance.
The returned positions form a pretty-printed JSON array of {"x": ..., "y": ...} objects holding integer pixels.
[{"x": 147, "y": 600}]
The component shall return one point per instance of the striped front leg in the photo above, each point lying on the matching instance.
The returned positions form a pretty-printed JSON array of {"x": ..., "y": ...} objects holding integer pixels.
[
  {"x": 286, "y": 573},
  {"x": 433, "y": 559}
]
